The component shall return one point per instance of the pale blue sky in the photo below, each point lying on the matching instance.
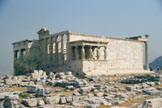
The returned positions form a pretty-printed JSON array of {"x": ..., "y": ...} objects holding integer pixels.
[{"x": 21, "y": 19}]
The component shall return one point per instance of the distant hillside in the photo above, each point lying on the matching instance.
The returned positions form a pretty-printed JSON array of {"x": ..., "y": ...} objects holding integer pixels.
[{"x": 157, "y": 63}]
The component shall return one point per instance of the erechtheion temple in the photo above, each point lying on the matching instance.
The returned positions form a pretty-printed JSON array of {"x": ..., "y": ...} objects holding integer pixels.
[{"x": 88, "y": 54}]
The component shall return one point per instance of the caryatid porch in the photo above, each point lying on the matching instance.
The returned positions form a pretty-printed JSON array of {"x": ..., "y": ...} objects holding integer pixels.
[{"x": 88, "y": 50}]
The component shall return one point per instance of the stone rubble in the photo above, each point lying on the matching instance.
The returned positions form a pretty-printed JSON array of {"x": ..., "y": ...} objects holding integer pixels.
[
  {"x": 65, "y": 90},
  {"x": 33, "y": 88},
  {"x": 141, "y": 78},
  {"x": 152, "y": 103}
]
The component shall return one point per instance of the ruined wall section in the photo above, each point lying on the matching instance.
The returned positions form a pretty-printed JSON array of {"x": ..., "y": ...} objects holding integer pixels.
[
  {"x": 43, "y": 50},
  {"x": 29, "y": 60},
  {"x": 35, "y": 48},
  {"x": 53, "y": 49}
]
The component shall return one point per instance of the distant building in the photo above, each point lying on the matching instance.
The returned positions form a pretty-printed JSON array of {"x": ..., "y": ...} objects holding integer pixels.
[{"x": 88, "y": 54}]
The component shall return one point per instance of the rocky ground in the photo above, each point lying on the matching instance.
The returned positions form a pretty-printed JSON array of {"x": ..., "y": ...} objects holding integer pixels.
[{"x": 63, "y": 90}]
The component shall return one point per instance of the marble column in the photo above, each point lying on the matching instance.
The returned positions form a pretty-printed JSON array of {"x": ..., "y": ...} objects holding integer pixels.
[
  {"x": 91, "y": 54},
  {"x": 146, "y": 55},
  {"x": 51, "y": 49},
  {"x": 62, "y": 49},
  {"x": 83, "y": 52},
  {"x": 62, "y": 44},
  {"x": 68, "y": 48},
  {"x": 46, "y": 51},
  {"x": 76, "y": 52},
  {"x": 56, "y": 51},
  {"x": 105, "y": 53},
  {"x": 98, "y": 53}
]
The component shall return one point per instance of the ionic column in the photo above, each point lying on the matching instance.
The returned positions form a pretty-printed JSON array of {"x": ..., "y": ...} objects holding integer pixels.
[
  {"x": 56, "y": 50},
  {"x": 51, "y": 49},
  {"x": 146, "y": 56},
  {"x": 98, "y": 53},
  {"x": 68, "y": 48},
  {"x": 62, "y": 44},
  {"x": 105, "y": 53},
  {"x": 46, "y": 51},
  {"x": 56, "y": 45},
  {"x": 62, "y": 48},
  {"x": 83, "y": 53}
]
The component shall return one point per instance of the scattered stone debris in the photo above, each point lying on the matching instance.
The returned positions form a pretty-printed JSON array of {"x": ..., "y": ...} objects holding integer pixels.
[
  {"x": 62, "y": 89},
  {"x": 141, "y": 78},
  {"x": 152, "y": 103}
]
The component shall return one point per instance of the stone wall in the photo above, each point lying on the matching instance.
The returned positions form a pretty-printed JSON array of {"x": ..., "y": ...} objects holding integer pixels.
[
  {"x": 125, "y": 56},
  {"x": 76, "y": 66}
]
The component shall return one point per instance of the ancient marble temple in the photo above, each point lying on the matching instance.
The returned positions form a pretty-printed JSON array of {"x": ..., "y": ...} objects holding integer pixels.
[{"x": 87, "y": 54}]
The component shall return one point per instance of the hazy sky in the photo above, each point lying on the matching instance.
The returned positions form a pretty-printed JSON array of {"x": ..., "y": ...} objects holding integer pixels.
[{"x": 21, "y": 19}]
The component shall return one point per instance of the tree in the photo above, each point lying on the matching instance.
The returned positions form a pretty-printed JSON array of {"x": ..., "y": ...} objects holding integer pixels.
[{"x": 27, "y": 63}]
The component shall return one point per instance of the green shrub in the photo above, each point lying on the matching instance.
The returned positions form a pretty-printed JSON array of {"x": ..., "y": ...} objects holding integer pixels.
[{"x": 23, "y": 95}]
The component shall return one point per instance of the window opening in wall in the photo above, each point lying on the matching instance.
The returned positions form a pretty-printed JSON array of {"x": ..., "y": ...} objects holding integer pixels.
[
  {"x": 58, "y": 38},
  {"x": 58, "y": 44},
  {"x": 48, "y": 49},
  {"x": 17, "y": 54},
  {"x": 59, "y": 47},
  {"x": 65, "y": 38},
  {"x": 54, "y": 48},
  {"x": 23, "y": 51}
]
